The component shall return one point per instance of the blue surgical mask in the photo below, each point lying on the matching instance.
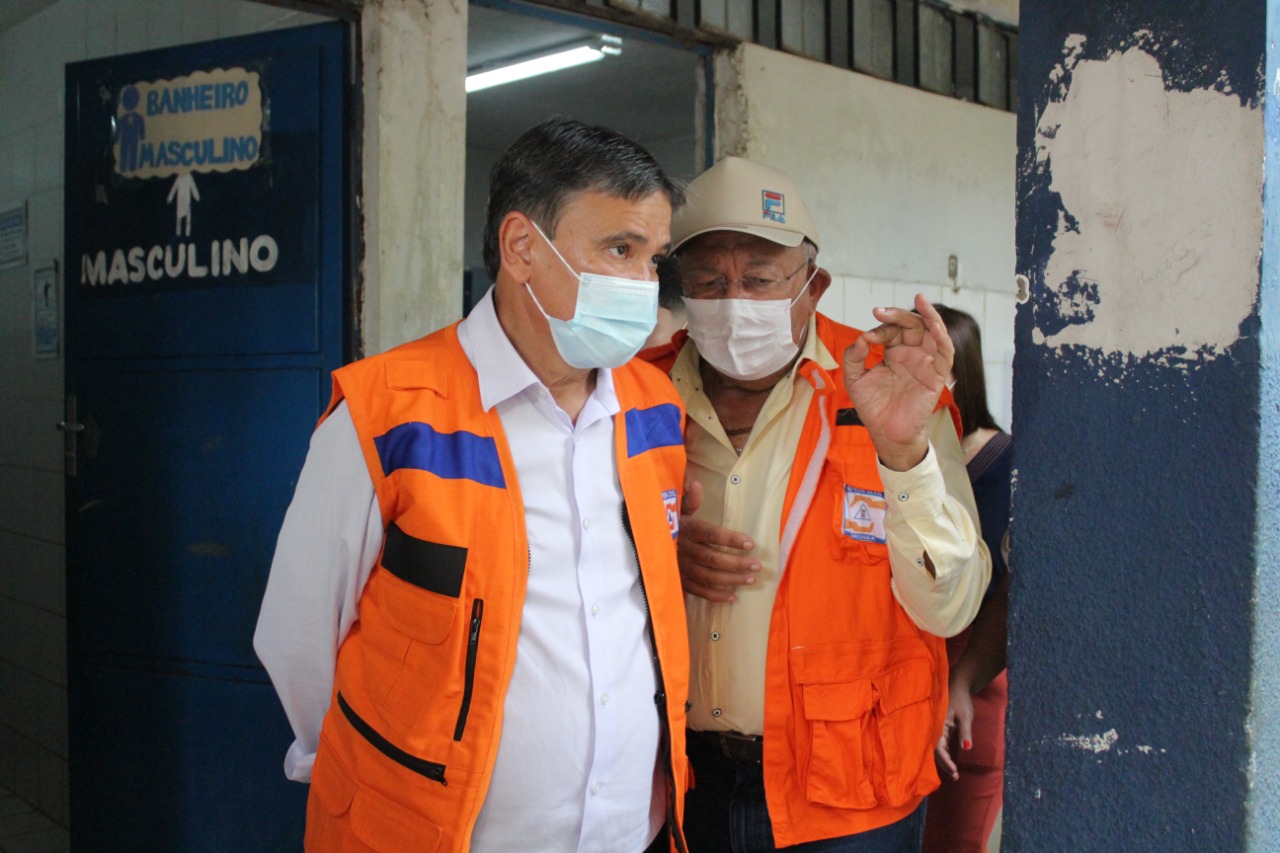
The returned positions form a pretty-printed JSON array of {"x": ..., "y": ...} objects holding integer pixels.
[{"x": 613, "y": 318}]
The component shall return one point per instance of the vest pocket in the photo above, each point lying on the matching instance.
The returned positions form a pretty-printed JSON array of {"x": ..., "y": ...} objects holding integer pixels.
[
  {"x": 871, "y": 739},
  {"x": 352, "y": 810},
  {"x": 388, "y": 827},
  {"x": 333, "y": 787},
  {"x": 906, "y": 731},
  {"x": 410, "y": 648},
  {"x": 418, "y": 613},
  {"x": 839, "y": 717}
]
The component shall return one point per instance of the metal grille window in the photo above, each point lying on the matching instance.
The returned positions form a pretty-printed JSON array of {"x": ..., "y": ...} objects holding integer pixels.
[
  {"x": 993, "y": 67},
  {"x": 936, "y": 43},
  {"x": 922, "y": 43},
  {"x": 873, "y": 46}
]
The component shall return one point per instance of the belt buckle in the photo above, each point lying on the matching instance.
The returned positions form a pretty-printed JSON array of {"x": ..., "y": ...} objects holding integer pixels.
[{"x": 741, "y": 748}]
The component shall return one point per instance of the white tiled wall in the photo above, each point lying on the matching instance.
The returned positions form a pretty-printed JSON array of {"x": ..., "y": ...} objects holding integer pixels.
[
  {"x": 33, "y": 696},
  {"x": 850, "y": 300}
]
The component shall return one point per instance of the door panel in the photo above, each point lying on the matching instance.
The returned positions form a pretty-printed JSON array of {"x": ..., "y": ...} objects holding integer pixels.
[{"x": 206, "y": 250}]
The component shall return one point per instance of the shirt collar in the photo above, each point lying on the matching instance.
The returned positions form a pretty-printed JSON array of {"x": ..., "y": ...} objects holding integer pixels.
[
  {"x": 815, "y": 350},
  {"x": 502, "y": 373}
]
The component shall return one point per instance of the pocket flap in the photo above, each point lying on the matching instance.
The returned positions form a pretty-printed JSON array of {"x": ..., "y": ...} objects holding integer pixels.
[
  {"x": 389, "y": 827},
  {"x": 414, "y": 375},
  {"x": 846, "y": 700},
  {"x": 419, "y": 613},
  {"x": 906, "y": 685}
]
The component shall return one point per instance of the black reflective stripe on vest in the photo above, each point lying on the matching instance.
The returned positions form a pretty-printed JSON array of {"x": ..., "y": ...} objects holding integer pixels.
[
  {"x": 427, "y": 565},
  {"x": 430, "y": 769}
]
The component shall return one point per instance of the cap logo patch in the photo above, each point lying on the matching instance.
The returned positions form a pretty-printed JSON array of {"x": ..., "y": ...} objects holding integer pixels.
[{"x": 773, "y": 206}]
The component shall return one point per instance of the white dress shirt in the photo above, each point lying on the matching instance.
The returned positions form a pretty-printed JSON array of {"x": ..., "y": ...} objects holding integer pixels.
[{"x": 577, "y": 765}]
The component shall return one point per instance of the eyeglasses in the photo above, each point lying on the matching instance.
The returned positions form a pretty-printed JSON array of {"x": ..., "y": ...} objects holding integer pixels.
[{"x": 705, "y": 286}]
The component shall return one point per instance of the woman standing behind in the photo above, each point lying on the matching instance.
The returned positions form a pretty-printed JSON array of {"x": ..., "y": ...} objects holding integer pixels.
[{"x": 970, "y": 754}]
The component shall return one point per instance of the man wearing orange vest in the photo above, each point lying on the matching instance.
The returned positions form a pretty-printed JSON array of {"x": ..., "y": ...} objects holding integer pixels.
[
  {"x": 833, "y": 540},
  {"x": 474, "y": 617}
]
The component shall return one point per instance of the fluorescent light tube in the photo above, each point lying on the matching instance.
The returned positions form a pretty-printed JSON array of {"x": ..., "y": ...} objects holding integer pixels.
[{"x": 533, "y": 67}]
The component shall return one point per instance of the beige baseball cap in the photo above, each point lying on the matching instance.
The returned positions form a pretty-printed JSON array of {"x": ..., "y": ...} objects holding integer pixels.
[{"x": 739, "y": 195}]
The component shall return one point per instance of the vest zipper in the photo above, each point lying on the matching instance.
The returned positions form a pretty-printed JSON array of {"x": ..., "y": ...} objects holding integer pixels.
[
  {"x": 473, "y": 642},
  {"x": 659, "y": 698}
]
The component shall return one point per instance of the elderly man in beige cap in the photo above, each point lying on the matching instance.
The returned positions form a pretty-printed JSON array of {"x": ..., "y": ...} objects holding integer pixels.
[{"x": 830, "y": 540}]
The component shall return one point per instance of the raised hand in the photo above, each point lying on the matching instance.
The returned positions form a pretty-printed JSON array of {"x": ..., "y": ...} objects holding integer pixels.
[{"x": 895, "y": 398}]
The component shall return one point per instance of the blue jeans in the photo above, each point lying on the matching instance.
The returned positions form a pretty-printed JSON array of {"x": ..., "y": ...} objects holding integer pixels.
[{"x": 726, "y": 813}]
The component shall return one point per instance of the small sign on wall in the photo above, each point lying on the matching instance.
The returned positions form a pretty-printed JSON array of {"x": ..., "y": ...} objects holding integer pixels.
[
  {"x": 13, "y": 237},
  {"x": 46, "y": 321}
]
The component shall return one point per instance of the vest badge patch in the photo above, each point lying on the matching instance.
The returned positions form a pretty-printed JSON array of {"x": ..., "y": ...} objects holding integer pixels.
[
  {"x": 863, "y": 515},
  {"x": 673, "y": 511}
]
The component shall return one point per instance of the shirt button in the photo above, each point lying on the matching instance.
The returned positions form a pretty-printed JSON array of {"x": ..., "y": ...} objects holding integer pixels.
[
  {"x": 902, "y": 496},
  {"x": 586, "y": 523},
  {"x": 595, "y": 789},
  {"x": 595, "y": 610},
  {"x": 604, "y": 698},
  {"x": 735, "y": 479},
  {"x": 715, "y": 712},
  {"x": 715, "y": 635},
  {"x": 919, "y": 562}
]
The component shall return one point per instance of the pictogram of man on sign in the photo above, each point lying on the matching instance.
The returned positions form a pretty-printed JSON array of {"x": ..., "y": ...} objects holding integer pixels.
[
  {"x": 131, "y": 128},
  {"x": 184, "y": 188}
]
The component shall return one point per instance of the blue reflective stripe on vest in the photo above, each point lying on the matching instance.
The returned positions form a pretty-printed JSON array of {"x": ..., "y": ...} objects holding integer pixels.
[
  {"x": 655, "y": 427},
  {"x": 448, "y": 455}
]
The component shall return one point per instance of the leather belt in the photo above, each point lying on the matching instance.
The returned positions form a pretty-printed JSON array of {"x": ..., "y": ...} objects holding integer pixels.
[{"x": 739, "y": 748}]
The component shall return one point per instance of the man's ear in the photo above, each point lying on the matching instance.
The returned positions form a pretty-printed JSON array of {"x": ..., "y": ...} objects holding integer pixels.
[
  {"x": 817, "y": 287},
  {"x": 515, "y": 245}
]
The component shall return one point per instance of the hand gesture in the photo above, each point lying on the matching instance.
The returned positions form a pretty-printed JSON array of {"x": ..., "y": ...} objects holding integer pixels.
[
  {"x": 895, "y": 398},
  {"x": 713, "y": 559}
]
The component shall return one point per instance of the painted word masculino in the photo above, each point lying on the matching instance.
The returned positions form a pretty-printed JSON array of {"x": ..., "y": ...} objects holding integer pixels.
[{"x": 180, "y": 260}]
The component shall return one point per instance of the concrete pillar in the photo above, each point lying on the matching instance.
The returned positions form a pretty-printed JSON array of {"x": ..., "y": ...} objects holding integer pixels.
[
  {"x": 415, "y": 111},
  {"x": 1145, "y": 603}
]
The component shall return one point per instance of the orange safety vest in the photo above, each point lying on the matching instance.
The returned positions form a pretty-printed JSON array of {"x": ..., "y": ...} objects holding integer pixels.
[
  {"x": 408, "y": 745},
  {"x": 855, "y": 693}
]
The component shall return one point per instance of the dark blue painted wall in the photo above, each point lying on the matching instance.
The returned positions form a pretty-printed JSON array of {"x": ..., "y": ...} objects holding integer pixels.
[{"x": 1135, "y": 511}]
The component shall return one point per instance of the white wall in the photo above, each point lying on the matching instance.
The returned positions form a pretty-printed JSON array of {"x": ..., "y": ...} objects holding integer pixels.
[
  {"x": 33, "y": 706},
  {"x": 897, "y": 178}
]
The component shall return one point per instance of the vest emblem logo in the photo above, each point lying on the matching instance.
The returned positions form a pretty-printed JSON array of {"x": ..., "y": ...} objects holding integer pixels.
[
  {"x": 673, "y": 511},
  {"x": 863, "y": 515}
]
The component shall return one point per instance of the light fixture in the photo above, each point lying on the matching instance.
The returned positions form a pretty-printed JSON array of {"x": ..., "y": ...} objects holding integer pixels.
[{"x": 561, "y": 58}]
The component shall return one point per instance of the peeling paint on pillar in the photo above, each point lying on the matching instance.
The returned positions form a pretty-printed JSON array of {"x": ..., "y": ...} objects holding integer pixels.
[
  {"x": 1136, "y": 409},
  {"x": 1144, "y": 239}
]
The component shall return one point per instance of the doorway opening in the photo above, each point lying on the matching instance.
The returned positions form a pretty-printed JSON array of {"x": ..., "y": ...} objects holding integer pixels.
[{"x": 644, "y": 86}]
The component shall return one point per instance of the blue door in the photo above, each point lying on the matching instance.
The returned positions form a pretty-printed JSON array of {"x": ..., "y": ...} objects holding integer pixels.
[{"x": 206, "y": 260}]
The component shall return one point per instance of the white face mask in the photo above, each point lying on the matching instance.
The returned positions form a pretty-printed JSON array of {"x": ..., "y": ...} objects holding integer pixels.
[{"x": 745, "y": 339}]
